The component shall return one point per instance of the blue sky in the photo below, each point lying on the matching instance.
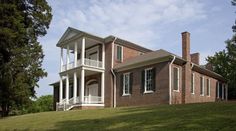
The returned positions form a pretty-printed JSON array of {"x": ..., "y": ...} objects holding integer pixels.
[{"x": 155, "y": 24}]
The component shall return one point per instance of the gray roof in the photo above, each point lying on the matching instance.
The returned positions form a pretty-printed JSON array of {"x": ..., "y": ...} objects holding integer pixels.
[{"x": 150, "y": 56}]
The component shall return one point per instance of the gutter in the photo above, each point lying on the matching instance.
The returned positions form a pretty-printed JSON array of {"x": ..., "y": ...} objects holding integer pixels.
[
  {"x": 170, "y": 80},
  {"x": 114, "y": 86},
  {"x": 114, "y": 75}
]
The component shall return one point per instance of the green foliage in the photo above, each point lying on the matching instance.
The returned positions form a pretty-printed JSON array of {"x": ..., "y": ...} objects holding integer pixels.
[
  {"x": 42, "y": 104},
  {"x": 21, "y": 55},
  {"x": 224, "y": 63}
]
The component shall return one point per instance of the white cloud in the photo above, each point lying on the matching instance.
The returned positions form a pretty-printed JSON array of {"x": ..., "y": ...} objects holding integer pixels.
[{"x": 131, "y": 20}]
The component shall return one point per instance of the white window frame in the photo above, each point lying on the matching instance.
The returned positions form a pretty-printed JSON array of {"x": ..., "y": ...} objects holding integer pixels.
[
  {"x": 209, "y": 87},
  {"x": 128, "y": 75},
  {"x": 117, "y": 53},
  {"x": 145, "y": 79},
  {"x": 202, "y": 85},
  {"x": 193, "y": 83},
  {"x": 177, "y": 79}
]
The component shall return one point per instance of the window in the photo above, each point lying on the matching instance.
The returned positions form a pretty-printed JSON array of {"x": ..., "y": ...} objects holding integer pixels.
[
  {"x": 126, "y": 84},
  {"x": 192, "y": 83},
  {"x": 119, "y": 53},
  {"x": 148, "y": 84},
  {"x": 208, "y": 87},
  {"x": 176, "y": 79},
  {"x": 202, "y": 86}
]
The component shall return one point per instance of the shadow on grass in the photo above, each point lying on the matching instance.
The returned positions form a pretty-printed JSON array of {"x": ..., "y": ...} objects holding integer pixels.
[{"x": 170, "y": 118}]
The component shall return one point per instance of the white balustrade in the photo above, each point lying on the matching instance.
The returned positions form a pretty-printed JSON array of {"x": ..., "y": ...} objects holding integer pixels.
[{"x": 87, "y": 62}]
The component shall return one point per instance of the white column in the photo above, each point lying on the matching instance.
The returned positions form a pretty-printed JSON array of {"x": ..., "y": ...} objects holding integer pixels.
[
  {"x": 61, "y": 90},
  {"x": 67, "y": 57},
  {"x": 82, "y": 86},
  {"x": 218, "y": 90},
  {"x": 61, "y": 60},
  {"x": 75, "y": 87},
  {"x": 67, "y": 88},
  {"x": 102, "y": 86},
  {"x": 75, "y": 55},
  {"x": 82, "y": 51},
  {"x": 103, "y": 55},
  {"x": 223, "y": 87}
]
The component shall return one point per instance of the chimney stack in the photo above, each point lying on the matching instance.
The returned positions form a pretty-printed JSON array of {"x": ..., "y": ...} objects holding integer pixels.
[{"x": 186, "y": 46}]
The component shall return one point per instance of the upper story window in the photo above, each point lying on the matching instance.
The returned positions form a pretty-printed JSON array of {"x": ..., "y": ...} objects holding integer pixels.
[
  {"x": 149, "y": 80},
  {"x": 119, "y": 53},
  {"x": 202, "y": 86},
  {"x": 208, "y": 87},
  {"x": 192, "y": 83},
  {"x": 126, "y": 84},
  {"x": 176, "y": 79}
]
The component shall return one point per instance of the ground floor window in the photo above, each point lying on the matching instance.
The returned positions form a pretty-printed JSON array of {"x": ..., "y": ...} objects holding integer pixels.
[
  {"x": 202, "y": 86},
  {"x": 126, "y": 84}
]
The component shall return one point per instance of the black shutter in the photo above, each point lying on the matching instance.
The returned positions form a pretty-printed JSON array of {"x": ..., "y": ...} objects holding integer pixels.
[
  {"x": 121, "y": 84},
  {"x": 130, "y": 82},
  {"x": 154, "y": 79},
  {"x": 142, "y": 81}
]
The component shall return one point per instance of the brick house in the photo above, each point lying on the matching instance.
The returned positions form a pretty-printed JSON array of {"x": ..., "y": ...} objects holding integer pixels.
[{"x": 111, "y": 72}]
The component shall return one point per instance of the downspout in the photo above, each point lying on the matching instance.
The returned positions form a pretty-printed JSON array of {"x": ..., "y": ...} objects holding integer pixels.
[
  {"x": 114, "y": 75},
  {"x": 170, "y": 80},
  {"x": 114, "y": 86}
]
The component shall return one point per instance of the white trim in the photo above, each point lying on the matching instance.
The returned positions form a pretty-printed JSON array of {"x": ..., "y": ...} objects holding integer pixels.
[
  {"x": 202, "y": 86},
  {"x": 128, "y": 75},
  {"x": 170, "y": 80},
  {"x": 75, "y": 54},
  {"x": 193, "y": 83},
  {"x": 92, "y": 80},
  {"x": 62, "y": 62},
  {"x": 82, "y": 51},
  {"x": 75, "y": 87},
  {"x": 177, "y": 79},
  {"x": 67, "y": 88},
  {"x": 67, "y": 57},
  {"x": 81, "y": 96},
  {"x": 145, "y": 75},
  {"x": 148, "y": 92},
  {"x": 61, "y": 90}
]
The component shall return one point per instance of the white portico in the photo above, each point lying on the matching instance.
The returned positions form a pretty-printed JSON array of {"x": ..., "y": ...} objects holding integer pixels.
[{"x": 82, "y": 56}]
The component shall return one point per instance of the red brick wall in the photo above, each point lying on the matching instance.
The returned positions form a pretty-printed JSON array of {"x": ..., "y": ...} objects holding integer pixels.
[
  {"x": 196, "y": 97},
  {"x": 127, "y": 53},
  {"x": 176, "y": 95},
  {"x": 161, "y": 94}
]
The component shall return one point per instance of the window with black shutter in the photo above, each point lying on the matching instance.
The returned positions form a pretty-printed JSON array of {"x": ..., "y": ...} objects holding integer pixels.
[
  {"x": 126, "y": 84},
  {"x": 149, "y": 82}
]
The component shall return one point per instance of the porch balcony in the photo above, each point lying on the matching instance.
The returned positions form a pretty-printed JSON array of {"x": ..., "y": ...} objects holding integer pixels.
[
  {"x": 87, "y": 62},
  {"x": 76, "y": 101}
]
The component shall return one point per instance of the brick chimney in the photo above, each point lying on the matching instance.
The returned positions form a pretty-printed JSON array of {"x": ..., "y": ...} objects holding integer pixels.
[
  {"x": 186, "y": 70},
  {"x": 195, "y": 58},
  {"x": 186, "y": 46}
]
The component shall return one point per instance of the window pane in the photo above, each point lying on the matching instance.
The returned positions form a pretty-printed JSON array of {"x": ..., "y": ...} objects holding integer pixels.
[
  {"x": 192, "y": 83},
  {"x": 119, "y": 53},
  {"x": 148, "y": 79},
  {"x": 126, "y": 84},
  {"x": 176, "y": 79}
]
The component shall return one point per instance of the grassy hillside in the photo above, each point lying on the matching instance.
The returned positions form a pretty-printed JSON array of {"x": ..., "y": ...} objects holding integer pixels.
[{"x": 207, "y": 116}]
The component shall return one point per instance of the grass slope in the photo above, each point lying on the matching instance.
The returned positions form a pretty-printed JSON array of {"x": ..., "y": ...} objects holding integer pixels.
[{"x": 206, "y": 116}]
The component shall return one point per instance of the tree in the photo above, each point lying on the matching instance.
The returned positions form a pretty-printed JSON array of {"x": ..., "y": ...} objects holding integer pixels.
[
  {"x": 224, "y": 63},
  {"x": 21, "y": 55}
]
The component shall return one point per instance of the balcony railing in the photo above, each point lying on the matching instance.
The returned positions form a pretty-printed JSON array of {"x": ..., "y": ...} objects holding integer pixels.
[
  {"x": 87, "y": 62},
  {"x": 64, "y": 105}
]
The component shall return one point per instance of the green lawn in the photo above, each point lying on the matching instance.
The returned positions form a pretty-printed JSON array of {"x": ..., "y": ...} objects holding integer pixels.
[{"x": 207, "y": 116}]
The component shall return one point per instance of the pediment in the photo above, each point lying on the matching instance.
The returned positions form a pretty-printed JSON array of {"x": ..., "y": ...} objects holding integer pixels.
[{"x": 69, "y": 33}]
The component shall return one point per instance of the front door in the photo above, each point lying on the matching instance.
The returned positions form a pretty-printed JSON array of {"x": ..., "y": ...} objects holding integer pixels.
[{"x": 92, "y": 93}]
